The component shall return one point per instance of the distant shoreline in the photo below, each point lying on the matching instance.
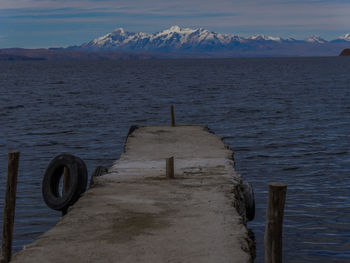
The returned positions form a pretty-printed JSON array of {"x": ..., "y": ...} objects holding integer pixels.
[{"x": 22, "y": 54}]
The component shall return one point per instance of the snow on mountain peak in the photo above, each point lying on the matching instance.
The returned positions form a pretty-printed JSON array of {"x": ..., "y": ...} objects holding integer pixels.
[
  {"x": 345, "y": 37},
  {"x": 119, "y": 30},
  {"x": 177, "y": 29},
  {"x": 264, "y": 37},
  {"x": 316, "y": 39}
]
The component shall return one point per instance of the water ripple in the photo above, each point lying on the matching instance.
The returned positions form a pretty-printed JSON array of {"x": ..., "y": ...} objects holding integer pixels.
[{"x": 286, "y": 120}]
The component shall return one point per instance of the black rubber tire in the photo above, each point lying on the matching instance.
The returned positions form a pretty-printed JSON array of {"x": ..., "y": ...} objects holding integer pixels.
[
  {"x": 82, "y": 178},
  {"x": 77, "y": 181},
  {"x": 249, "y": 201}
]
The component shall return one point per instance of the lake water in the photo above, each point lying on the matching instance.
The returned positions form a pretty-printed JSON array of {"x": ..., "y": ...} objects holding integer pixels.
[{"x": 286, "y": 119}]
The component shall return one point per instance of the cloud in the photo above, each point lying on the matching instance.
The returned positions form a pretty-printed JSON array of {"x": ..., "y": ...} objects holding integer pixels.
[
  {"x": 256, "y": 11},
  {"x": 266, "y": 15}
]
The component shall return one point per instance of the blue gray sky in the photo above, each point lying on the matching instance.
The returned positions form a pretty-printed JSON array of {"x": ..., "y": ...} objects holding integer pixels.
[{"x": 60, "y": 23}]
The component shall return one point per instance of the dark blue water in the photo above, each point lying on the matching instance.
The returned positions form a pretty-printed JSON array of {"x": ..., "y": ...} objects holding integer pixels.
[{"x": 286, "y": 119}]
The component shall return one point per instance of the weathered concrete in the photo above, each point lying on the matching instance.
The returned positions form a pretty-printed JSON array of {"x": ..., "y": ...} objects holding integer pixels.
[{"x": 135, "y": 214}]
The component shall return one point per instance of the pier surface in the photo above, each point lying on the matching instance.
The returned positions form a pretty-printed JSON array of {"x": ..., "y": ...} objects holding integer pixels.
[{"x": 135, "y": 214}]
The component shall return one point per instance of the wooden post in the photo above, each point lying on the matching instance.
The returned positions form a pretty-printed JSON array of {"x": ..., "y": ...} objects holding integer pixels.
[
  {"x": 274, "y": 222},
  {"x": 9, "y": 206},
  {"x": 172, "y": 115},
  {"x": 170, "y": 167}
]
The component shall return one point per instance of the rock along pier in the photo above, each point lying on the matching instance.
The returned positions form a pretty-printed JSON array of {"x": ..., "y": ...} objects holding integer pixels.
[{"x": 134, "y": 213}]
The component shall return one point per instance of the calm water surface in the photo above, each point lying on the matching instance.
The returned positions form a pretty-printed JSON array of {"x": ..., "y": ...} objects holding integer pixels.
[{"x": 286, "y": 120}]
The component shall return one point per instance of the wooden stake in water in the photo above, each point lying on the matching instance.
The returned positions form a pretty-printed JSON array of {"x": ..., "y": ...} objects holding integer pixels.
[
  {"x": 274, "y": 222},
  {"x": 170, "y": 167},
  {"x": 172, "y": 115},
  {"x": 9, "y": 206}
]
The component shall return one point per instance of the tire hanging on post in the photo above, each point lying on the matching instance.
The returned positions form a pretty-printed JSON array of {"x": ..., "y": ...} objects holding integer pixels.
[{"x": 77, "y": 181}]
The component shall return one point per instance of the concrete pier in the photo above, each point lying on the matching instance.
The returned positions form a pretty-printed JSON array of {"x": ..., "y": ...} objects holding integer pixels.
[{"x": 136, "y": 214}]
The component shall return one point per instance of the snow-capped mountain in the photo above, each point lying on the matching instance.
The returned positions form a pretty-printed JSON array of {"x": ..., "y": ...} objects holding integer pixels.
[
  {"x": 316, "y": 39},
  {"x": 174, "y": 38},
  {"x": 345, "y": 37},
  {"x": 179, "y": 40},
  {"x": 342, "y": 38}
]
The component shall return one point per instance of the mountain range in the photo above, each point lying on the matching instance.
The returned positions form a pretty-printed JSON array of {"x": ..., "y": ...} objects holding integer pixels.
[
  {"x": 182, "y": 40},
  {"x": 177, "y": 42}
]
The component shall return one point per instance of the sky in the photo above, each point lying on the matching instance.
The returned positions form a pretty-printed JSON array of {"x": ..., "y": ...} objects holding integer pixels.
[{"x": 61, "y": 23}]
